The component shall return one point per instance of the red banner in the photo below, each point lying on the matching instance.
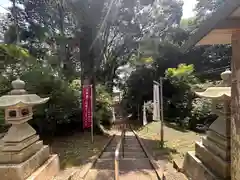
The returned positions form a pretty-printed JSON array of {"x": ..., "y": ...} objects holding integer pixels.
[{"x": 87, "y": 106}]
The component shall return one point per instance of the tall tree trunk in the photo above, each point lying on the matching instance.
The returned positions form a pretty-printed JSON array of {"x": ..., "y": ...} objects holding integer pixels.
[
  {"x": 89, "y": 48},
  {"x": 88, "y": 69}
]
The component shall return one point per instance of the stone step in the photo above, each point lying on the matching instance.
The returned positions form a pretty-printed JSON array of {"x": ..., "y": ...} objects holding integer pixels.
[
  {"x": 108, "y": 155},
  {"x": 95, "y": 174},
  {"x": 107, "y": 164},
  {"x": 212, "y": 146},
  {"x": 65, "y": 174},
  {"x": 133, "y": 149},
  {"x": 212, "y": 161},
  {"x": 195, "y": 170},
  {"x": 47, "y": 171},
  {"x": 109, "y": 175},
  {"x": 130, "y": 145},
  {"x": 131, "y": 142},
  {"x": 128, "y": 169},
  {"x": 124, "y": 164},
  {"x": 220, "y": 140},
  {"x": 128, "y": 149}
]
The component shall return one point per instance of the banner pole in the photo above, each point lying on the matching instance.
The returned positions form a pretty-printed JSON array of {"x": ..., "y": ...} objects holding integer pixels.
[
  {"x": 92, "y": 113},
  {"x": 161, "y": 113}
]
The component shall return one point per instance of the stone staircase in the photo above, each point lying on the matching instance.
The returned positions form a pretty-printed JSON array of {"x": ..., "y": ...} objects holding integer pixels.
[{"x": 134, "y": 164}]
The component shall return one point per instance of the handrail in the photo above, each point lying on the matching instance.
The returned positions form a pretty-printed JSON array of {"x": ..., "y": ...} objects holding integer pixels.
[{"x": 116, "y": 159}]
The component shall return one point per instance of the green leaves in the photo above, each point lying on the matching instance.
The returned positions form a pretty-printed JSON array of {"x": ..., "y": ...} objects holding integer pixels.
[
  {"x": 181, "y": 70},
  {"x": 14, "y": 59},
  {"x": 15, "y": 51},
  {"x": 103, "y": 111},
  {"x": 183, "y": 73}
]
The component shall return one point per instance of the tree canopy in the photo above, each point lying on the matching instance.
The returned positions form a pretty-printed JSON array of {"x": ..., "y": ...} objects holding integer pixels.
[{"x": 97, "y": 42}]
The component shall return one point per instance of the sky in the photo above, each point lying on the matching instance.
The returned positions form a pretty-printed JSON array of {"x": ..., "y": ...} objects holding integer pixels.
[
  {"x": 187, "y": 8},
  {"x": 4, "y": 3}
]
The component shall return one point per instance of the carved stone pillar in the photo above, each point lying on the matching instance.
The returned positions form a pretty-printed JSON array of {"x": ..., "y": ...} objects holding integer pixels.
[{"x": 235, "y": 105}]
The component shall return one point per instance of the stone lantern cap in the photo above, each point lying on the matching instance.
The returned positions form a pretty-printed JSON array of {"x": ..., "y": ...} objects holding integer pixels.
[
  {"x": 219, "y": 92},
  {"x": 226, "y": 75},
  {"x": 215, "y": 92},
  {"x": 19, "y": 96}
]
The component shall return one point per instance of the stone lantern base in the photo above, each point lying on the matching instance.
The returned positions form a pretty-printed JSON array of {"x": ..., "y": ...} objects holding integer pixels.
[
  {"x": 210, "y": 159},
  {"x": 22, "y": 155},
  {"x": 40, "y": 166},
  {"x": 26, "y": 158}
]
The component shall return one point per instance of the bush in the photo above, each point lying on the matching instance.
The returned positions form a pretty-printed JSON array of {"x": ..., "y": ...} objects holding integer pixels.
[
  {"x": 201, "y": 112},
  {"x": 103, "y": 111},
  {"x": 63, "y": 112},
  {"x": 64, "y": 106},
  {"x": 139, "y": 88},
  {"x": 181, "y": 80},
  {"x": 180, "y": 105}
]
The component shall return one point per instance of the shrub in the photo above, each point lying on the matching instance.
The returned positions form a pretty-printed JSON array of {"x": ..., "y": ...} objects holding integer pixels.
[
  {"x": 63, "y": 112},
  {"x": 201, "y": 112},
  {"x": 103, "y": 111},
  {"x": 180, "y": 81},
  {"x": 64, "y": 105}
]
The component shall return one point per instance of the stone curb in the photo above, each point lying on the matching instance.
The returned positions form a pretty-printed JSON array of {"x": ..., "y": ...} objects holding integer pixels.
[
  {"x": 178, "y": 165},
  {"x": 154, "y": 164},
  {"x": 82, "y": 173}
]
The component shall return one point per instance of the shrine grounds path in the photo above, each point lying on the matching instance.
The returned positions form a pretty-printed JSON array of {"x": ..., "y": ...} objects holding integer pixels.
[
  {"x": 133, "y": 161},
  {"x": 76, "y": 152}
]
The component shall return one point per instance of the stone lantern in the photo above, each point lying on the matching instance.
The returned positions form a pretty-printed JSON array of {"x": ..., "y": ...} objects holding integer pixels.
[
  {"x": 212, "y": 158},
  {"x": 22, "y": 154}
]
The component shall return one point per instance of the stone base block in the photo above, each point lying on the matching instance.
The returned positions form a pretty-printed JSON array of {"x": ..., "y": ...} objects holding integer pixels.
[
  {"x": 218, "y": 166},
  {"x": 213, "y": 147},
  {"x": 218, "y": 139},
  {"x": 48, "y": 170},
  {"x": 21, "y": 156},
  {"x": 18, "y": 146},
  {"x": 25, "y": 169},
  {"x": 195, "y": 170}
]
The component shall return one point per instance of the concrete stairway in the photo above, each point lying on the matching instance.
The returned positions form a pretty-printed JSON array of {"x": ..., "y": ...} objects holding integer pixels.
[{"x": 134, "y": 164}]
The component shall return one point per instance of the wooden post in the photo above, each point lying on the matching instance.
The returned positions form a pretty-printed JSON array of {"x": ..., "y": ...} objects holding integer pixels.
[{"x": 161, "y": 112}]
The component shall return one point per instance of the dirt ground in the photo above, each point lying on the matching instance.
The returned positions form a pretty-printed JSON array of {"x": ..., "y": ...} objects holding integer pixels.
[
  {"x": 176, "y": 140},
  {"x": 77, "y": 149}
]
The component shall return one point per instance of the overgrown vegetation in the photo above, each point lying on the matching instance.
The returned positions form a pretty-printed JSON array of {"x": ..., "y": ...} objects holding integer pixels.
[
  {"x": 57, "y": 46},
  {"x": 183, "y": 73},
  {"x": 180, "y": 103},
  {"x": 63, "y": 111}
]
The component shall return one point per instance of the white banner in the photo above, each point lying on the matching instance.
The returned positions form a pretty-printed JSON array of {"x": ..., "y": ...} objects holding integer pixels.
[
  {"x": 156, "y": 103},
  {"x": 144, "y": 115},
  {"x": 113, "y": 115}
]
